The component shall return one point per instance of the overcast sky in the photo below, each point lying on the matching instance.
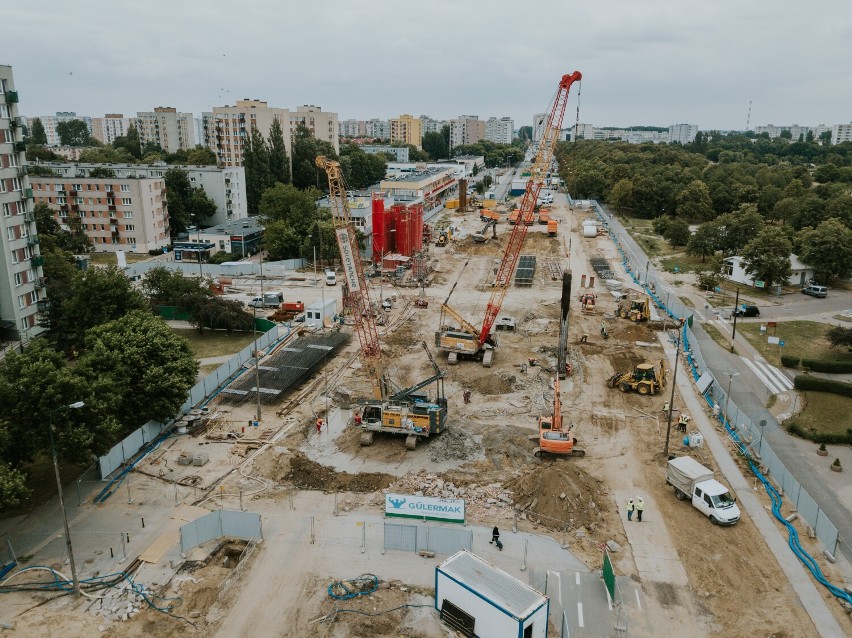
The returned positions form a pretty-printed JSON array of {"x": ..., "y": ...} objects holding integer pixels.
[{"x": 653, "y": 62}]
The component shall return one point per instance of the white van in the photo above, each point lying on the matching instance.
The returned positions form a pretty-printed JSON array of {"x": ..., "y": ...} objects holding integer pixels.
[{"x": 330, "y": 278}]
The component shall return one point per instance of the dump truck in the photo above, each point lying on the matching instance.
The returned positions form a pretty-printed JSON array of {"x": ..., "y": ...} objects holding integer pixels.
[{"x": 691, "y": 480}]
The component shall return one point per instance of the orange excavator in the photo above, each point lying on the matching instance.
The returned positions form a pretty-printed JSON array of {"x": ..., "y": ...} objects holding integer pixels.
[{"x": 553, "y": 438}]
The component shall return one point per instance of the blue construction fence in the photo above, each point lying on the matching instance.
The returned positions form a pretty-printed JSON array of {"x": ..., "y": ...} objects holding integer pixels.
[{"x": 744, "y": 431}]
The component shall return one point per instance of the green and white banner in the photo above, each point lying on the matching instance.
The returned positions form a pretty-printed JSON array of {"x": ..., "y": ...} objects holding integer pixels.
[{"x": 450, "y": 510}]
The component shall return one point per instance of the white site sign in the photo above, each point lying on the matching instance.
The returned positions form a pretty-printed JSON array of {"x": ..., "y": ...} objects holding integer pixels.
[
  {"x": 348, "y": 255},
  {"x": 450, "y": 510}
]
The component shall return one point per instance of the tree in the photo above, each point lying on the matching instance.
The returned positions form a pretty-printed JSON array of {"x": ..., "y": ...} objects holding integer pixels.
[
  {"x": 178, "y": 193},
  {"x": 621, "y": 195},
  {"x": 839, "y": 337},
  {"x": 704, "y": 242},
  {"x": 52, "y": 235},
  {"x": 306, "y": 148},
  {"x": 13, "y": 487},
  {"x": 37, "y": 134},
  {"x": 525, "y": 133},
  {"x": 130, "y": 143},
  {"x": 216, "y": 313},
  {"x": 767, "y": 256},
  {"x": 288, "y": 214},
  {"x": 694, "y": 203},
  {"x": 828, "y": 248},
  {"x": 98, "y": 296},
  {"x": 786, "y": 134},
  {"x": 72, "y": 133},
  {"x": 106, "y": 155},
  {"x": 201, "y": 156},
  {"x": 279, "y": 163},
  {"x": 361, "y": 170},
  {"x": 166, "y": 287},
  {"x": 677, "y": 232},
  {"x": 256, "y": 165},
  {"x": 149, "y": 368},
  {"x": 435, "y": 144},
  {"x": 200, "y": 207}
]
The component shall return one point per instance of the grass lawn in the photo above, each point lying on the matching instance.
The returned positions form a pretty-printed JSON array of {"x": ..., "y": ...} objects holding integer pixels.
[
  {"x": 105, "y": 259},
  {"x": 215, "y": 343},
  {"x": 683, "y": 262},
  {"x": 716, "y": 335},
  {"x": 642, "y": 231},
  {"x": 843, "y": 318},
  {"x": 823, "y": 413},
  {"x": 804, "y": 339},
  {"x": 686, "y": 301}
]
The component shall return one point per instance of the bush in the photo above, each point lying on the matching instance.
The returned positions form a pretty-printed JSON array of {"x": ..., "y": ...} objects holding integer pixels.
[
  {"x": 832, "y": 438},
  {"x": 826, "y": 365},
  {"x": 222, "y": 257},
  {"x": 155, "y": 251},
  {"x": 806, "y": 382},
  {"x": 789, "y": 362}
]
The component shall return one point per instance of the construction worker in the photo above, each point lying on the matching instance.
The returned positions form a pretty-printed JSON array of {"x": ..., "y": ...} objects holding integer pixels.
[
  {"x": 319, "y": 425},
  {"x": 682, "y": 421},
  {"x": 667, "y": 407},
  {"x": 584, "y": 338},
  {"x": 640, "y": 507},
  {"x": 466, "y": 396},
  {"x": 568, "y": 369},
  {"x": 630, "y": 508},
  {"x": 604, "y": 332}
]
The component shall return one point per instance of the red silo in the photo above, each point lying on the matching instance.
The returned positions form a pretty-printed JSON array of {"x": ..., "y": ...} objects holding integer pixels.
[
  {"x": 381, "y": 225},
  {"x": 403, "y": 231},
  {"x": 416, "y": 228}
]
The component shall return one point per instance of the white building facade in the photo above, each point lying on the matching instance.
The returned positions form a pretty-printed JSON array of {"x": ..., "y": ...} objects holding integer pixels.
[
  {"x": 500, "y": 131},
  {"x": 841, "y": 133},
  {"x": 682, "y": 133},
  {"x": 168, "y": 129},
  {"x": 112, "y": 125},
  {"x": 50, "y": 122}
]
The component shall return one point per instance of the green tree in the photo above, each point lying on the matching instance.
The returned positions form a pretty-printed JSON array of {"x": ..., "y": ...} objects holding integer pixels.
[
  {"x": 621, "y": 196},
  {"x": 13, "y": 487},
  {"x": 361, "y": 170},
  {"x": 130, "y": 143},
  {"x": 98, "y": 296},
  {"x": 256, "y": 165},
  {"x": 166, "y": 287},
  {"x": 149, "y": 368},
  {"x": 72, "y": 133},
  {"x": 216, "y": 313},
  {"x": 786, "y": 210},
  {"x": 694, "y": 203},
  {"x": 279, "y": 163},
  {"x": 704, "y": 242},
  {"x": 288, "y": 214},
  {"x": 201, "y": 156},
  {"x": 178, "y": 194},
  {"x": 677, "y": 232},
  {"x": 839, "y": 337},
  {"x": 106, "y": 155},
  {"x": 828, "y": 248},
  {"x": 101, "y": 171},
  {"x": 306, "y": 148},
  {"x": 201, "y": 208},
  {"x": 435, "y": 144},
  {"x": 767, "y": 256},
  {"x": 37, "y": 134},
  {"x": 52, "y": 235}
]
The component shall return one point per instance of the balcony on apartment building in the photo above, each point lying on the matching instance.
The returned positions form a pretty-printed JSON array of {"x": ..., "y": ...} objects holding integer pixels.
[
  {"x": 37, "y": 261},
  {"x": 11, "y": 97}
]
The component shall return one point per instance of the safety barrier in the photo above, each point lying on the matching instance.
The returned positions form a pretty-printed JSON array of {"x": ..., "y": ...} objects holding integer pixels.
[
  {"x": 244, "y": 525},
  {"x": 738, "y": 424},
  {"x": 432, "y": 538}
]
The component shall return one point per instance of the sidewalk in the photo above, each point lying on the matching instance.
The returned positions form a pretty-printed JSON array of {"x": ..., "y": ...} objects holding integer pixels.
[{"x": 799, "y": 578}]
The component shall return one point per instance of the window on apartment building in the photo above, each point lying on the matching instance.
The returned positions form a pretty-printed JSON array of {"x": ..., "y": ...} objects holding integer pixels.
[
  {"x": 2, "y": 185},
  {"x": 33, "y": 297},
  {"x": 59, "y": 200},
  {"x": 19, "y": 279},
  {"x": 125, "y": 188},
  {"x": 63, "y": 214},
  {"x": 28, "y": 252},
  {"x": 129, "y": 227},
  {"x": 16, "y": 183},
  {"x": 108, "y": 188},
  {"x": 10, "y": 233},
  {"x": 77, "y": 187},
  {"x": 128, "y": 214},
  {"x": 25, "y": 323},
  {"x": 79, "y": 200},
  {"x": 131, "y": 240},
  {"x": 22, "y": 301},
  {"x": 4, "y": 110},
  {"x": 13, "y": 160},
  {"x": 16, "y": 257},
  {"x": 7, "y": 209},
  {"x": 88, "y": 187},
  {"x": 126, "y": 201},
  {"x": 59, "y": 188}
]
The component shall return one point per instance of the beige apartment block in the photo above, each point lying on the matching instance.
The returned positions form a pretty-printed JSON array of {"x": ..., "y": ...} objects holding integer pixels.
[
  {"x": 322, "y": 124},
  {"x": 227, "y": 127},
  {"x": 117, "y": 214},
  {"x": 168, "y": 129},
  {"x": 466, "y": 129},
  {"x": 406, "y": 129},
  {"x": 112, "y": 125}
]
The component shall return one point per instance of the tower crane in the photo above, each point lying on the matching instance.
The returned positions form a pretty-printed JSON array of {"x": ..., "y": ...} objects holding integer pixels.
[
  {"x": 467, "y": 341},
  {"x": 404, "y": 411}
]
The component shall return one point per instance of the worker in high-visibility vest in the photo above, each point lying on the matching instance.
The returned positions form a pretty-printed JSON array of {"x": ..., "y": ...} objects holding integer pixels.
[{"x": 682, "y": 421}]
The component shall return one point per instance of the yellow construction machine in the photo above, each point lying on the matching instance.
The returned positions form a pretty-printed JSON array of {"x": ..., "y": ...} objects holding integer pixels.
[
  {"x": 636, "y": 310},
  {"x": 644, "y": 379}
]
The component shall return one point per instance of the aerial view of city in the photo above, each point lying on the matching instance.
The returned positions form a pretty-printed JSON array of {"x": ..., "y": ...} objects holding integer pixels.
[{"x": 473, "y": 319}]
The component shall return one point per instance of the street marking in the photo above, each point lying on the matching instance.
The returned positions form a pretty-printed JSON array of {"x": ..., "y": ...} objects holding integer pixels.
[
  {"x": 771, "y": 376},
  {"x": 580, "y": 614},
  {"x": 773, "y": 388},
  {"x": 724, "y": 325},
  {"x": 577, "y": 574},
  {"x": 608, "y": 600},
  {"x": 638, "y": 602},
  {"x": 776, "y": 374}
]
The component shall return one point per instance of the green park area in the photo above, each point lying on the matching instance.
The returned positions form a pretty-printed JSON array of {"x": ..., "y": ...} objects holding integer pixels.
[
  {"x": 215, "y": 343},
  {"x": 105, "y": 259},
  {"x": 802, "y": 339},
  {"x": 824, "y": 416}
]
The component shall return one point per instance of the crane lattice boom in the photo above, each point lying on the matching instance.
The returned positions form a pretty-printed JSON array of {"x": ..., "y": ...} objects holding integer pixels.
[
  {"x": 538, "y": 173},
  {"x": 353, "y": 271}
]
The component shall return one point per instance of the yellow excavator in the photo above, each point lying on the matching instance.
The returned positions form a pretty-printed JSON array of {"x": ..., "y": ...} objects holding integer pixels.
[
  {"x": 644, "y": 379},
  {"x": 636, "y": 310}
]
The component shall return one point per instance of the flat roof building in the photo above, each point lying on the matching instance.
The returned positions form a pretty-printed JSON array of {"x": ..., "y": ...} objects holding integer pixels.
[
  {"x": 168, "y": 129},
  {"x": 406, "y": 129},
  {"x": 112, "y": 125},
  {"x": 50, "y": 122}
]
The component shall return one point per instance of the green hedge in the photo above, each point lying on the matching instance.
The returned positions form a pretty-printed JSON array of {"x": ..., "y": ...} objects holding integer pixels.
[
  {"x": 825, "y": 365},
  {"x": 789, "y": 362},
  {"x": 836, "y": 439},
  {"x": 807, "y": 382}
]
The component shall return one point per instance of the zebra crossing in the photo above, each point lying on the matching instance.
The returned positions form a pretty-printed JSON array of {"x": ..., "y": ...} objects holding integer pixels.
[{"x": 769, "y": 375}]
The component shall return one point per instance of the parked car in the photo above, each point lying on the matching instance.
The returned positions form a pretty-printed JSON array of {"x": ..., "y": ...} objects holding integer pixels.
[
  {"x": 815, "y": 290},
  {"x": 746, "y": 311}
]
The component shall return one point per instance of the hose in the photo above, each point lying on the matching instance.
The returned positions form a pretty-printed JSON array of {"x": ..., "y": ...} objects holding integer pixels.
[{"x": 363, "y": 585}]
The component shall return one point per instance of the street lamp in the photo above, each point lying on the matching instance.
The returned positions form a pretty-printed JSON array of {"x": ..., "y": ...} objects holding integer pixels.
[
  {"x": 73, "y": 406},
  {"x": 731, "y": 376},
  {"x": 674, "y": 385}
]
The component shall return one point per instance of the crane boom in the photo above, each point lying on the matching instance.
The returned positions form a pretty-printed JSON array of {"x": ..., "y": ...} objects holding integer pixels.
[
  {"x": 538, "y": 174},
  {"x": 359, "y": 295}
]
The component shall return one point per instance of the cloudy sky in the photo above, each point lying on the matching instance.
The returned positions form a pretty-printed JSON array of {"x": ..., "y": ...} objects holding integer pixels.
[{"x": 652, "y": 62}]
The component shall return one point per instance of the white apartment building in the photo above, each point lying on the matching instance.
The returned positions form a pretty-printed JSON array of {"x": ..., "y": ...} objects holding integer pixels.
[
  {"x": 128, "y": 214},
  {"x": 352, "y": 128},
  {"x": 500, "y": 131},
  {"x": 225, "y": 186},
  {"x": 322, "y": 124},
  {"x": 378, "y": 129},
  {"x": 399, "y": 152},
  {"x": 112, "y": 125},
  {"x": 166, "y": 128},
  {"x": 429, "y": 125},
  {"x": 466, "y": 129},
  {"x": 539, "y": 124},
  {"x": 681, "y": 133},
  {"x": 796, "y": 131},
  {"x": 49, "y": 122},
  {"x": 841, "y": 133},
  {"x": 22, "y": 285}
]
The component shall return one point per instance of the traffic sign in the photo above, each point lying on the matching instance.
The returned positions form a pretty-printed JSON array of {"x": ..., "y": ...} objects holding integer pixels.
[{"x": 759, "y": 284}]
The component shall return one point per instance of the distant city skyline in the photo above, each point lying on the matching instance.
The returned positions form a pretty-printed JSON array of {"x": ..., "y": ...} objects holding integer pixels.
[{"x": 659, "y": 62}]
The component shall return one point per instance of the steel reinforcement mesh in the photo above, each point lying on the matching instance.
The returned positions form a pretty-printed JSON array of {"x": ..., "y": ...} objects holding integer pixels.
[
  {"x": 285, "y": 369},
  {"x": 525, "y": 274}
]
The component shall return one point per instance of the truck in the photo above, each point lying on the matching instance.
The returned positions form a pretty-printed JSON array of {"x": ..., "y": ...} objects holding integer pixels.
[
  {"x": 268, "y": 300},
  {"x": 691, "y": 480},
  {"x": 330, "y": 278}
]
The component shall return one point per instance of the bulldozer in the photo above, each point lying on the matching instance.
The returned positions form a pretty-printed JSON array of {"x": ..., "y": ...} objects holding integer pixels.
[
  {"x": 644, "y": 379},
  {"x": 553, "y": 438},
  {"x": 637, "y": 310}
]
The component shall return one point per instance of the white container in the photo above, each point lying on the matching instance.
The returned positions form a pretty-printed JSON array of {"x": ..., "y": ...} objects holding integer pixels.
[
  {"x": 696, "y": 439},
  {"x": 590, "y": 230}
]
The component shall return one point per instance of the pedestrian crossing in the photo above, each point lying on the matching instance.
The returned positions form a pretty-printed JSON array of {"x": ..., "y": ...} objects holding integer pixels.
[{"x": 775, "y": 380}]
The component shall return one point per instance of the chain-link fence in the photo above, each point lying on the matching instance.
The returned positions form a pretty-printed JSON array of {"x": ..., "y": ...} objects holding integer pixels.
[{"x": 738, "y": 424}]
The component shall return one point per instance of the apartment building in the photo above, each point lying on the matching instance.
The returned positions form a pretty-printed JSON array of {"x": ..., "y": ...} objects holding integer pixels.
[
  {"x": 128, "y": 214},
  {"x": 399, "y": 152},
  {"x": 429, "y": 125},
  {"x": 841, "y": 133},
  {"x": 50, "y": 122},
  {"x": 539, "y": 124},
  {"x": 227, "y": 127},
  {"x": 796, "y": 131},
  {"x": 22, "y": 285},
  {"x": 378, "y": 129},
  {"x": 466, "y": 129},
  {"x": 112, "y": 125},
  {"x": 166, "y": 128},
  {"x": 352, "y": 128},
  {"x": 322, "y": 124},
  {"x": 225, "y": 186},
  {"x": 406, "y": 129},
  {"x": 682, "y": 133},
  {"x": 500, "y": 131}
]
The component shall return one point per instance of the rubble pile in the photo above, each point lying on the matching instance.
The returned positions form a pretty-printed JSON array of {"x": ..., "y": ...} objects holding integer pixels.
[
  {"x": 480, "y": 500},
  {"x": 121, "y": 604}
]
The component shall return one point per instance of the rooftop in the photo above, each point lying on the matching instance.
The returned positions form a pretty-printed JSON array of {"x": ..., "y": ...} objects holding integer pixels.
[
  {"x": 500, "y": 588},
  {"x": 417, "y": 176},
  {"x": 244, "y": 226}
]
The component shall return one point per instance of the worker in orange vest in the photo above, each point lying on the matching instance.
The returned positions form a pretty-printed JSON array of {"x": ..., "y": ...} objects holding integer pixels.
[{"x": 319, "y": 425}]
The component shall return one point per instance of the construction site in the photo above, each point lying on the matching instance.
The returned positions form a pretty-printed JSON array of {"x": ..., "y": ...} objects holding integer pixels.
[{"x": 517, "y": 368}]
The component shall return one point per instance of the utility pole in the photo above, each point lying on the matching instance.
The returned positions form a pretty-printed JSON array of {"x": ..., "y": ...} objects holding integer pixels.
[
  {"x": 674, "y": 385},
  {"x": 256, "y": 352},
  {"x": 736, "y": 305},
  {"x": 731, "y": 376}
]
